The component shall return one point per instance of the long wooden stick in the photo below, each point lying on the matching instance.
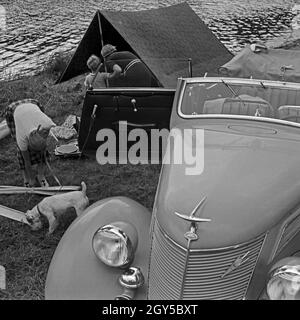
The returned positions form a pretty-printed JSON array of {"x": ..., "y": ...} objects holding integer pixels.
[
  {"x": 38, "y": 190},
  {"x": 50, "y": 188},
  {"x": 13, "y": 214}
]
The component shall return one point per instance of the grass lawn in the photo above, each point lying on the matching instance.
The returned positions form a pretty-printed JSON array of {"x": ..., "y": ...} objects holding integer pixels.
[{"x": 24, "y": 253}]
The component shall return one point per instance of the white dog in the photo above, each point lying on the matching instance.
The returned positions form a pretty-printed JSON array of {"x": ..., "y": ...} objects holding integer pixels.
[{"x": 56, "y": 205}]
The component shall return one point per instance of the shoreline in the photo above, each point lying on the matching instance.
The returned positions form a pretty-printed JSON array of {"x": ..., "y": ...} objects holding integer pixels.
[
  {"x": 277, "y": 43},
  {"x": 41, "y": 86}
]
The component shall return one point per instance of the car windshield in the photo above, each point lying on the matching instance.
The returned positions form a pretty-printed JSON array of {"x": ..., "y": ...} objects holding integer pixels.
[
  {"x": 241, "y": 97},
  {"x": 196, "y": 94}
]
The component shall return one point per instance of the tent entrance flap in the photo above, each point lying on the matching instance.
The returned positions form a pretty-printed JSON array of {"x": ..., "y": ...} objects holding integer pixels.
[{"x": 88, "y": 45}]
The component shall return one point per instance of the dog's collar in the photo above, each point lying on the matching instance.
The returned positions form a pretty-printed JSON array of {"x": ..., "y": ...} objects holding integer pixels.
[{"x": 38, "y": 210}]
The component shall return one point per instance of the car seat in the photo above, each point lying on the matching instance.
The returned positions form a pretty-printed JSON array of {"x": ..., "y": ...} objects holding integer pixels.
[
  {"x": 240, "y": 105},
  {"x": 290, "y": 113}
]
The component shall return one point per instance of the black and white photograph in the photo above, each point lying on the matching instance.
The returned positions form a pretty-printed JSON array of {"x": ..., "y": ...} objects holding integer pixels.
[{"x": 149, "y": 151}]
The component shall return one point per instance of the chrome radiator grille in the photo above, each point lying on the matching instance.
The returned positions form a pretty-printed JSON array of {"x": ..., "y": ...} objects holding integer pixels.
[{"x": 200, "y": 277}]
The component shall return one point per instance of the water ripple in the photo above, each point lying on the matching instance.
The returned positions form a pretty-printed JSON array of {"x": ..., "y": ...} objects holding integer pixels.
[{"x": 35, "y": 29}]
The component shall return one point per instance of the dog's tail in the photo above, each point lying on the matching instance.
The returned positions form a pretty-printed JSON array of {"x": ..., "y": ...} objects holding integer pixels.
[{"x": 83, "y": 187}]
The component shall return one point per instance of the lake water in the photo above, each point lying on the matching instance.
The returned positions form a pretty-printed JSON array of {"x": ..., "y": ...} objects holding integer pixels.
[{"x": 32, "y": 30}]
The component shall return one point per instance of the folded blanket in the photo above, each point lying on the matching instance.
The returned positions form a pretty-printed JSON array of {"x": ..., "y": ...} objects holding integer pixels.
[{"x": 67, "y": 130}]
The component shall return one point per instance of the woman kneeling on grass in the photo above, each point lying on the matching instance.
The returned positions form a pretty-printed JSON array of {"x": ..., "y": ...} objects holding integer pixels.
[{"x": 30, "y": 127}]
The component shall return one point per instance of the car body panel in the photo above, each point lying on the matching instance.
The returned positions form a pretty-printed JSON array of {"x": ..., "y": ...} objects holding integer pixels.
[
  {"x": 76, "y": 273},
  {"x": 266, "y": 260},
  {"x": 253, "y": 180},
  {"x": 151, "y": 110}
]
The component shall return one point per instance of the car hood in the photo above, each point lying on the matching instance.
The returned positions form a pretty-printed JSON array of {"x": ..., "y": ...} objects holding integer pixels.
[{"x": 250, "y": 183}]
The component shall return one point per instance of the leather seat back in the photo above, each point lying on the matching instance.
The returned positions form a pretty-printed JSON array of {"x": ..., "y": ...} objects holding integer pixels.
[
  {"x": 241, "y": 105},
  {"x": 289, "y": 113}
]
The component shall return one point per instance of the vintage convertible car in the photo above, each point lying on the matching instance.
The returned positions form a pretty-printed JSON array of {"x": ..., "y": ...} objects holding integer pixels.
[{"x": 229, "y": 232}]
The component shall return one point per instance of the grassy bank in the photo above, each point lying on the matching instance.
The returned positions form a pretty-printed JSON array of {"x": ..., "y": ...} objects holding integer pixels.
[{"x": 26, "y": 254}]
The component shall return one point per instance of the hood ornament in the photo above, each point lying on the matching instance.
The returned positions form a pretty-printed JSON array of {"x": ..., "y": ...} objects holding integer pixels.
[
  {"x": 237, "y": 263},
  {"x": 191, "y": 234},
  {"x": 192, "y": 217}
]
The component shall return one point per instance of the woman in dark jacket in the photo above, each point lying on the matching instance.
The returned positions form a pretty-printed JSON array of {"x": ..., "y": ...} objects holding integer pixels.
[{"x": 134, "y": 72}]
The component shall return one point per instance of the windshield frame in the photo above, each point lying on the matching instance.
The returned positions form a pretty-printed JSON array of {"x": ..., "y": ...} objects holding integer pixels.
[{"x": 184, "y": 82}]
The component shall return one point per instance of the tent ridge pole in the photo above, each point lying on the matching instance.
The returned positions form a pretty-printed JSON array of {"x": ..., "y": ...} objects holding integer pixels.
[{"x": 102, "y": 44}]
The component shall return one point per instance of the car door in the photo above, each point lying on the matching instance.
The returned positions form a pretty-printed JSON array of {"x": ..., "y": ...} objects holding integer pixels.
[{"x": 123, "y": 110}]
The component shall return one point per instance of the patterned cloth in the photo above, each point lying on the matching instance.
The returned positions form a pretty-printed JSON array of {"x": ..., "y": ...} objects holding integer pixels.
[{"x": 35, "y": 157}]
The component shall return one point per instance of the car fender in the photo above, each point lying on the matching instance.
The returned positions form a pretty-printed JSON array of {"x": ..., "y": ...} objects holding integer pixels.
[{"x": 76, "y": 273}]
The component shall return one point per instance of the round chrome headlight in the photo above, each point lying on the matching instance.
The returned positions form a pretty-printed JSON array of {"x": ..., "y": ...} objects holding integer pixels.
[
  {"x": 284, "y": 283},
  {"x": 115, "y": 244}
]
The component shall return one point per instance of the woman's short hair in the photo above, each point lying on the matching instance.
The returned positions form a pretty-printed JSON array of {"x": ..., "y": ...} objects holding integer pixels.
[
  {"x": 93, "y": 62},
  {"x": 36, "y": 141},
  {"x": 107, "y": 50}
]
